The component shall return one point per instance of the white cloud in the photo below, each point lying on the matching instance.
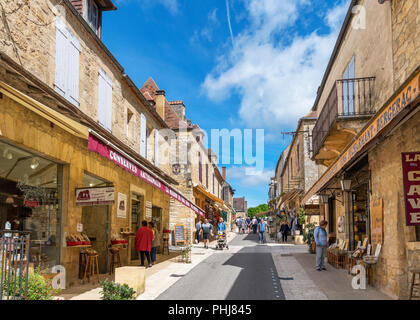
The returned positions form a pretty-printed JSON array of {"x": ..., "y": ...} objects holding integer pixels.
[
  {"x": 276, "y": 83},
  {"x": 249, "y": 176},
  {"x": 207, "y": 32}
]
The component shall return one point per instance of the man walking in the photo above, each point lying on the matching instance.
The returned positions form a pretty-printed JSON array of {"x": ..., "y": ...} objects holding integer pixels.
[
  {"x": 143, "y": 242},
  {"x": 206, "y": 227},
  {"x": 239, "y": 222},
  {"x": 254, "y": 225},
  {"x": 198, "y": 231},
  {"x": 320, "y": 236},
  {"x": 284, "y": 229},
  {"x": 262, "y": 227}
]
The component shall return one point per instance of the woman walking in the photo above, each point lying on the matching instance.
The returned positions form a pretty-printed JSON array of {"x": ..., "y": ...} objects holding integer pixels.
[
  {"x": 284, "y": 229},
  {"x": 155, "y": 242}
]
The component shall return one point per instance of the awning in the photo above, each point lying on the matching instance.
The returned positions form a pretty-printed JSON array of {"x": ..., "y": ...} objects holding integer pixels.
[
  {"x": 45, "y": 112},
  {"x": 263, "y": 213},
  {"x": 404, "y": 98},
  {"x": 208, "y": 194},
  {"x": 107, "y": 150},
  {"x": 287, "y": 196}
]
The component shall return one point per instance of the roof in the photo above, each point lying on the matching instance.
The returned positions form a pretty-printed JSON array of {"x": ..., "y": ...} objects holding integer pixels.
[{"x": 106, "y": 5}]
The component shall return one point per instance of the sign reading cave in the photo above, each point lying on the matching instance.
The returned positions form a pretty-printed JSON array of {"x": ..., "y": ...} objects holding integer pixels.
[{"x": 411, "y": 175}]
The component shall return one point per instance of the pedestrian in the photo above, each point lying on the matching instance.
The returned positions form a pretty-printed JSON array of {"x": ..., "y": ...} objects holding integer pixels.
[
  {"x": 284, "y": 229},
  {"x": 221, "y": 226},
  {"x": 198, "y": 232},
  {"x": 262, "y": 228},
  {"x": 254, "y": 224},
  {"x": 244, "y": 226},
  {"x": 207, "y": 230},
  {"x": 239, "y": 222},
  {"x": 248, "y": 224},
  {"x": 143, "y": 243},
  {"x": 155, "y": 242},
  {"x": 320, "y": 236}
]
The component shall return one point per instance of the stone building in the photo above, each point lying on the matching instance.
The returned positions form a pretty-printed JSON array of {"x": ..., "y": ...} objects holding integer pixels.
[
  {"x": 241, "y": 207},
  {"x": 192, "y": 165},
  {"x": 80, "y": 145},
  {"x": 368, "y": 186},
  {"x": 298, "y": 171}
]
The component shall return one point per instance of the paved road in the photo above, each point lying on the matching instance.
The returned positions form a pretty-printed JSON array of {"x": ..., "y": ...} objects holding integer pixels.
[{"x": 245, "y": 271}]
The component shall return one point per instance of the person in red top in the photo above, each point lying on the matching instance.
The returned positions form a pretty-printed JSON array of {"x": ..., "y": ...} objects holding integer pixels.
[{"x": 143, "y": 242}]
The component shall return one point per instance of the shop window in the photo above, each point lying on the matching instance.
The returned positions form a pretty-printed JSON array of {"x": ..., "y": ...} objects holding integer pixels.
[
  {"x": 331, "y": 215},
  {"x": 30, "y": 199},
  {"x": 417, "y": 233}
]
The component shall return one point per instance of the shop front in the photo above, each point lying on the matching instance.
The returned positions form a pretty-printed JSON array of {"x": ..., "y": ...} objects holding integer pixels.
[
  {"x": 370, "y": 194},
  {"x": 47, "y": 163}
]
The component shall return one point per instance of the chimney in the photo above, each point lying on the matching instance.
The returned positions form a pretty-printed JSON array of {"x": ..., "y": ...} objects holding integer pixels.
[
  {"x": 160, "y": 103},
  {"x": 224, "y": 173}
]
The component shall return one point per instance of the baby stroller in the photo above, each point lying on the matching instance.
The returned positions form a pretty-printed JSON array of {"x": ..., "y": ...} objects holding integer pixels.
[{"x": 221, "y": 240}]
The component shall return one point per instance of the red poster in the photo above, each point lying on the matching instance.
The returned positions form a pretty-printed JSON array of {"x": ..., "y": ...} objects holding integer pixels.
[{"x": 411, "y": 175}]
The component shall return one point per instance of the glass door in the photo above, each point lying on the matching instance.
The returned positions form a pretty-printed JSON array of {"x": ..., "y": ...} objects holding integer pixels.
[{"x": 136, "y": 205}]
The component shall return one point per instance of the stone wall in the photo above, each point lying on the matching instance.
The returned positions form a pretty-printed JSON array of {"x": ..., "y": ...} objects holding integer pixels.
[
  {"x": 28, "y": 35},
  {"x": 406, "y": 38},
  {"x": 26, "y": 130},
  {"x": 387, "y": 184}
]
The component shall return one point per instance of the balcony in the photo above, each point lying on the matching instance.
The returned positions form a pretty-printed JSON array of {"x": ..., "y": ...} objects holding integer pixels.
[{"x": 348, "y": 107}]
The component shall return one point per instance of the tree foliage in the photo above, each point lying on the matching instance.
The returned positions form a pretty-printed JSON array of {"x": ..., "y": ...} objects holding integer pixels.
[{"x": 261, "y": 208}]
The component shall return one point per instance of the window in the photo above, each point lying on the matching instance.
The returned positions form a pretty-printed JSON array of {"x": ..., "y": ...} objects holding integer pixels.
[
  {"x": 417, "y": 233},
  {"x": 143, "y": 131},
  {"x": 93, "y": 15},
  {"x": 348, "y": 89},
  {"x": 105, "y": 100},
  {"x": 67, "y": 54},
  {"x": 207, "y": 175},
  {"x": 298, "y": 157},
  {"x": 200, "y": 168},
  {"x": 156, "y": 147}
]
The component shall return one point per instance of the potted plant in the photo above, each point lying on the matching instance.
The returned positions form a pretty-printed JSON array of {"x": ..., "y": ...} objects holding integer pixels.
[
  {"x": 308, "y": 237},
  {"x": 116, "y": 291}
]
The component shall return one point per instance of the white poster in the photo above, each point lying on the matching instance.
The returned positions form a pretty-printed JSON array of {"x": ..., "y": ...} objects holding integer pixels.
[
  {"x": 95, "y": 196},
  {"x": 122, "y": 205},
  {"x": 149, "y": 206}
]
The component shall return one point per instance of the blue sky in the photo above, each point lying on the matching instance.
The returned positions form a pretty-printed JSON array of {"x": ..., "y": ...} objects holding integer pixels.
[{"x": 246, "y": 64}]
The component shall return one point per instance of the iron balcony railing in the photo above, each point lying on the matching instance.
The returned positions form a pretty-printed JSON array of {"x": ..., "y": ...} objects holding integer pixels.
[{"x": 348, "y": 98}]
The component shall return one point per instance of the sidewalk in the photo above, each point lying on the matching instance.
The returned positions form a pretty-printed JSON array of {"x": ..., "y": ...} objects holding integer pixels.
[
  {"x": 158, "y": 278},
  {"x": 159, "y": 282}
]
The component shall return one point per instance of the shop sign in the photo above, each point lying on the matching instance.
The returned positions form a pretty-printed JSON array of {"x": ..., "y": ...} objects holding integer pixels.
[
  {"x": 376, "y": 221},
  {"x": 97, "y": 146},
  {"x": 95, "y": 196},
  {"x": 411, "y": 178},
  {"x": 381, "y": 120},
  {"x": 122, "y": 205},
  {"x": 31, "y": 204}
]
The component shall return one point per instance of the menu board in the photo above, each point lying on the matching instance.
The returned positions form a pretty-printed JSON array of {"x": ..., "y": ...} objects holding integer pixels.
[
  {"x": 376, "y": 216},
  {"x": 179, "y": 233},
  {"x": 149, "y": 210}
]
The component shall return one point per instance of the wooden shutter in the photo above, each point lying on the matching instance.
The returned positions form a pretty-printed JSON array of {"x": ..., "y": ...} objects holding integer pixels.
[
  {"x": 61, "y": 58},
  {"x": 73, "y": 72},
  {"x": 105, "y": 100},
  {"x": 156, "y": 147},
  {"x": 143, "y": 135}
]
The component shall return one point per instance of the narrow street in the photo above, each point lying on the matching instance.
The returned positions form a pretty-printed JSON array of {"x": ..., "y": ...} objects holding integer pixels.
[
  {"x": 251, "y": 271},
  {"x": 245, "y": 271}
]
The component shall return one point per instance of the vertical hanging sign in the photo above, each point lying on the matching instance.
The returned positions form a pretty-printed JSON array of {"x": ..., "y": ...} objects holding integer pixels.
[
  {"x": 411, "y": 176},
  {"x": 122, "y": 205}
]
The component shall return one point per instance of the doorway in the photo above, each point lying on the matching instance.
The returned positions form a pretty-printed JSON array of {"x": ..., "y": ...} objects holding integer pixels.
[
  {"x": 96, "y": 224},
  {"x": 157, "y": 220},
  {"x": 136, "y": 215}
]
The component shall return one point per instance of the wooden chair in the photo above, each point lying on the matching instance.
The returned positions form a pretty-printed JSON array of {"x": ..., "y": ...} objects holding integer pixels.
[
  {"x": 115, "y": 259},
  {"x": 91, "y": 263},
  {"x": 415, "y": 272}
]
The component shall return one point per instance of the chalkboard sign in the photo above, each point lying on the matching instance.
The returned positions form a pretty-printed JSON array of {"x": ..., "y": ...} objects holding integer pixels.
[{"x": 179, "y": 233}]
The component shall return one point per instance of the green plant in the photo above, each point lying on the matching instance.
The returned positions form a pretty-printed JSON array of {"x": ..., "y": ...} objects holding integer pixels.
[
  {"x": 308, "y": 235},
  {"x": 116, "y": 291},
  {"x": 185, "y": 253},
  {"x": 39, "y": 288},
  {"x": 302, "y": 216}
]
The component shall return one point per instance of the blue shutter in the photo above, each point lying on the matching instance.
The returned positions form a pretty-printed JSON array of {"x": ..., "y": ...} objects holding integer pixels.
[{"x": 61, "y": 58}]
